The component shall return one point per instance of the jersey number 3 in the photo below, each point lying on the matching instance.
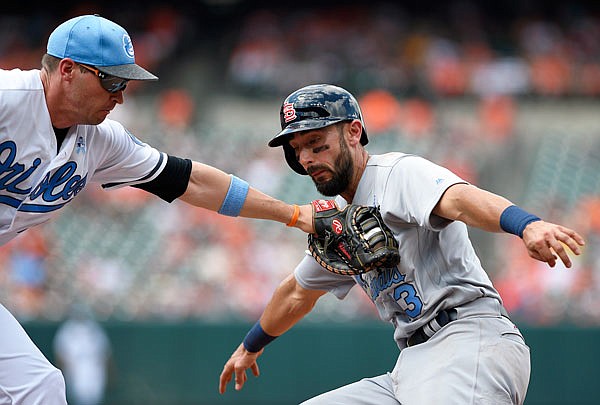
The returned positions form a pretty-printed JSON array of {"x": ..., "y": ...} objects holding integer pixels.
[{"x": 406, "y": 296}]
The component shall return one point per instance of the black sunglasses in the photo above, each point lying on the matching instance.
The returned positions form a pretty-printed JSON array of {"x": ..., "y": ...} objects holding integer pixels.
[{"x": 112, "y": 84}]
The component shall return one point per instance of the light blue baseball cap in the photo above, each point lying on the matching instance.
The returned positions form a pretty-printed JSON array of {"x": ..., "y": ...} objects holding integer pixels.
[{"x": 95, "y": 41}]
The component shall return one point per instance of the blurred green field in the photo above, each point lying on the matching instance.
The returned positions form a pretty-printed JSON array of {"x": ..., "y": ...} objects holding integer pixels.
[{"x": 179, "y": 364}]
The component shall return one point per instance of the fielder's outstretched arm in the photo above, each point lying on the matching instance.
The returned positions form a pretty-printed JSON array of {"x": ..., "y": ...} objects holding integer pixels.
[
  {"x": 215, "y": 190},
  {"x": 485, "y": 210},
  {"x": 288, "y": 305}
]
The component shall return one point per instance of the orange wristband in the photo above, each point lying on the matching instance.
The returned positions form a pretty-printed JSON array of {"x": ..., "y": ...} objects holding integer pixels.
[{"x": 295, "y": 216}]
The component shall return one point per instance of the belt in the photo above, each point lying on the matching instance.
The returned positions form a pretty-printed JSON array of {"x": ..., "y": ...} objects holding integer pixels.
[
  {"x": 426, "y": 331},
  {"x": 443, "y": 318}
]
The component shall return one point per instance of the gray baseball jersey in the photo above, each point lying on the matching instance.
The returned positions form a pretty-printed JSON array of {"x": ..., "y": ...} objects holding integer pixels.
[
  {"x": 36, "y": 180},
  {"x": 438, "y": 266},
  {"x": 438, "y": 270}
]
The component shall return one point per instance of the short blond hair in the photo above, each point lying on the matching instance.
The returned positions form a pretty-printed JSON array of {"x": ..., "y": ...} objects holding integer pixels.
[{"x": 49, "y": 62}]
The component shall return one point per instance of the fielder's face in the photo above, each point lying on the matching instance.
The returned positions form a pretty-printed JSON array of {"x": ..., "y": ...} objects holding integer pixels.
[
  {"x": 85, "y": 98},
  {"x": 326, "y": 158}
]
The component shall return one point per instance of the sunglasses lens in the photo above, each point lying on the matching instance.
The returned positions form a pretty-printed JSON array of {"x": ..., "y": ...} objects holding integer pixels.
[{"x": 113, "y": 84}]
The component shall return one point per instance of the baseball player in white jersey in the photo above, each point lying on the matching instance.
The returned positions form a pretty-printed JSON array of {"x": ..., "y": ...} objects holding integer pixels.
[
  {"x": 55, "y": 139},
  {"x": 457, "y": 344}
]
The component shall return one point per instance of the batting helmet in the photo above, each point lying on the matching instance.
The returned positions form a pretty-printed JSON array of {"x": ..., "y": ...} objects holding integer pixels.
[{"x": 313, "y": 107}]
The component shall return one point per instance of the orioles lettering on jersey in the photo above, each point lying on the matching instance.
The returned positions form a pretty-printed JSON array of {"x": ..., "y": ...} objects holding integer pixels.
[
  {"x": 12, "y": 174},
  {"x": 60, "y": 185}
]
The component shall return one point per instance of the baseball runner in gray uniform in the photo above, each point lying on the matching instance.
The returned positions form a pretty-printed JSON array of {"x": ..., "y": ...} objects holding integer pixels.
[
  {"x": 457, "y": 344},
  {"x": 55, "y": 138}
]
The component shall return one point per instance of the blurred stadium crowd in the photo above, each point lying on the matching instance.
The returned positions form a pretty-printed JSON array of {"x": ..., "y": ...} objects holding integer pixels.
[{"x": 508, "y": 100}]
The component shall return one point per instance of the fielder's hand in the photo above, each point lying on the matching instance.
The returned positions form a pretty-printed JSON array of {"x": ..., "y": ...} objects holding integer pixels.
[
  {"x": 545, "y": 240},
  {"x": 238, "y": 363}
]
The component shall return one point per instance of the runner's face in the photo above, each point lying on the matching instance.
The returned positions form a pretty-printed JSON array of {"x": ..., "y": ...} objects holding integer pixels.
[{"x": 326, "y": 158}]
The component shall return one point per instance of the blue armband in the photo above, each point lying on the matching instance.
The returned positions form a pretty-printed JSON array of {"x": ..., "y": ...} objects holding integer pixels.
[
  {"x": 235, "y": 198},
  {"x": 514, "y": 220},
  {"x": 257, "y": 338}
]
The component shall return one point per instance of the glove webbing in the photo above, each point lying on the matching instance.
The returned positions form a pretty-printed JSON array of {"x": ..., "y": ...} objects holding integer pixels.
[{"x": 370, "y": 227}]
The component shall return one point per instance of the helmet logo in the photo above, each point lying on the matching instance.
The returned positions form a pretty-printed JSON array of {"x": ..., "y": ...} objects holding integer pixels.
[{"x": 289, "y": 113}]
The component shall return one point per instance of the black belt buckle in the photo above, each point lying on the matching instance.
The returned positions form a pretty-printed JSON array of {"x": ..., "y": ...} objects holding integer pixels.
[{"x": 426, "y": 331}]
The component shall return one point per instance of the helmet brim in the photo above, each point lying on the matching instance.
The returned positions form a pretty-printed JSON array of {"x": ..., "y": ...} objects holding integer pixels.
[{"x": 282, "y": 137}]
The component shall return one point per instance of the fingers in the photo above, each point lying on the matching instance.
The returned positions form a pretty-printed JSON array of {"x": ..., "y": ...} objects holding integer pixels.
[
  {"x": 569, "y": 238},
  {"x": 533, "y": 254},
  {"x": 255, "y": 370},
  {"x": 225, "y": 378},
  {"x": 572, "y": 239},
  {"x": 236, "y": 366},
  {"x": 558, "y": 248},
  {"x": 541, "y": 251},
  {"x": 240, "y": 378},
  {"x": 547, "y": 243}
]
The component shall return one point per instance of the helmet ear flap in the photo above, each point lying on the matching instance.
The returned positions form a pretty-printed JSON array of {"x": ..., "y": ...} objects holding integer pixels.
[
  {"x": 363, "y": 137},
  {"x": 290, "y": 157}
]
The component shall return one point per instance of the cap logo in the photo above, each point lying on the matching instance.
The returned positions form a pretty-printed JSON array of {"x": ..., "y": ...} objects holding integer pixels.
[
  {"x": 128, "y": 45},
  {"x": 289, "y": 113}
]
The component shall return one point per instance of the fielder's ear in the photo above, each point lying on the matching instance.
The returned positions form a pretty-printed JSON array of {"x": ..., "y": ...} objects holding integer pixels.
[{"x": 66, "y": 67}]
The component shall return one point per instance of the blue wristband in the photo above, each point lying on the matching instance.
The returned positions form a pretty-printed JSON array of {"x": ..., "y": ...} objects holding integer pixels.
[
  {"x": 514, "y": 220},
  {"x": 235, "y": 198},
  {"x": 257, "y": 338}
]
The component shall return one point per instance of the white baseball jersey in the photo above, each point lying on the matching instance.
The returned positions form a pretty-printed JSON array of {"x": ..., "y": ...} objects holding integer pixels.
[
  {"x": 36, "y": 180},
  {"x": 438, "y": 266}
]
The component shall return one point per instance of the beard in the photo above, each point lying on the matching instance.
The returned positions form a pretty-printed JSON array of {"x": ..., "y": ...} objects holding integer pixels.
[{"x": 342, "y": 173}]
